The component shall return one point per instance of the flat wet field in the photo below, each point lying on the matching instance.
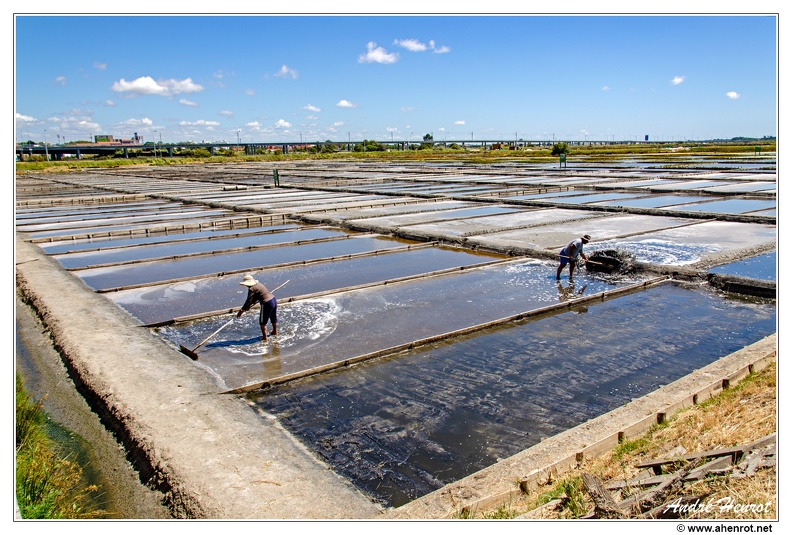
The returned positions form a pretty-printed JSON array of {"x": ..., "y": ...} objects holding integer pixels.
[{"x": 422, "y": 332}]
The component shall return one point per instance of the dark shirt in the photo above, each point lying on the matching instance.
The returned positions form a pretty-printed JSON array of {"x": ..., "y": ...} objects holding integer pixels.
[{"x": 257, "y": 293}]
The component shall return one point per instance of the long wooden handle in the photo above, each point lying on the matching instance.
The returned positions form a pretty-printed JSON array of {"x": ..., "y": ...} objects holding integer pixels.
[
  {"x": 593, "y": 262},
  {"x": 281, "y": 286},
  {"x": 214, "y": 333}
]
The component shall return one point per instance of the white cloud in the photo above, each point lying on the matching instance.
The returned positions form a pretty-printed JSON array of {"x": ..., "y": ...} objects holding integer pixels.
[
  {"x": 185, "y": 102},
  {"x": 377, "y": 54},
  {"x": 99, "y": 66},
  {"x": 82, "y": 125},
  {"x": 75, "y": 119},
  {"x": 677, "y": 80},
  {"x": 109, "y": 103},
  {"x": 200, "y": 122},
  {"x": 253, "y": 124},
  {"x": 605, "y": 88},
  {"x": 338, "y": 124},
  {"x": 734, "y": 95},
  {"x": 286, "y": 72},
  {"x": 346, "y": 104},
  {"x": 407, "y": 109},
  {"x": 25, "y": 118},
  {"x": 459, "y": 123},
  {"x": 227, "y": 113},
  {"x": 282, "y": 124},
  {"x": 145, "y": 85},
  {"x": 310, "y": 107},
  {"x": 413, "y": 45},
  {"x": 60, "y": 80},
  {"x": 145, "y": 121},
  {"x": 250, "y": 92}
]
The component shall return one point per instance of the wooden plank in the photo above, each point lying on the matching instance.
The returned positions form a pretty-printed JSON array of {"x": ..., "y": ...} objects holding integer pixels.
[
  {"x": 735, "y": 452},
  {"x": 605, "y": 505},
  {"x": 647, "y": 478},
  {"x": 704, "y": 469}
]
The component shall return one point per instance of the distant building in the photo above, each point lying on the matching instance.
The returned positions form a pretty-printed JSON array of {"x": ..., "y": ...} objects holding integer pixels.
[{"x": 105, "y": 139}]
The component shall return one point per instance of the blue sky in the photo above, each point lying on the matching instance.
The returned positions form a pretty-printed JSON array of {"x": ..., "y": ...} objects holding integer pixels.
[{"x": 395, "y": 77}]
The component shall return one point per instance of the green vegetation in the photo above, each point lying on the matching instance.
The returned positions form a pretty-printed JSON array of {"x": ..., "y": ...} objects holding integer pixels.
[
  {"x": 48, "y": 486},
  {"x": 662, "y": 154},
  {"x": 560, "y": 148}
]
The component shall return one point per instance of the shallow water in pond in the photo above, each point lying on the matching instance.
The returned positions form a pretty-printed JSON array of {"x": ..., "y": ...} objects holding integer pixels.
[
  {"x": 159, "y": 271},
  {"x": 65, "y": 246},
  {"x": 164, "y": 302},
  {"x": 173, "y": 249},
  {"x": 730, "y": 206},
  {"x": 653, "y": 202},
  {"x": 338, "y": 327},
  {"x": 762, "y": 267},
  {"x": 403, "y": 426},
  {"x": 103, "y": 221}
]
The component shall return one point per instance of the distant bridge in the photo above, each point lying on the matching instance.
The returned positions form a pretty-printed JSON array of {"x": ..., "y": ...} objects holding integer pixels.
[{"x": 163, "y": 150}]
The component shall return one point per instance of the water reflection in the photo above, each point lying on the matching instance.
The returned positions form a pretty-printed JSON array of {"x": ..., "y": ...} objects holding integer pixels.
[
  {"x": 404, "y": 426},
  {"x": 762, "y": 267},
  {"x": 569, "y": 291}
]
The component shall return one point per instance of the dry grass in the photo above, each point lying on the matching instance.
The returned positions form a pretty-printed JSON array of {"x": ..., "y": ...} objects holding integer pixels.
[{"x": 740, "y": 415}]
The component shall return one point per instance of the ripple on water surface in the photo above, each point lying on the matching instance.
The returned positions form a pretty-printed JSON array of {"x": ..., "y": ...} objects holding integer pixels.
[{"x": 401, "y": 427}]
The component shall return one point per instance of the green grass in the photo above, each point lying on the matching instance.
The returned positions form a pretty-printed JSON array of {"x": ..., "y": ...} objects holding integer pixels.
[
  {"x": 48, "y": 486},
  {"x": 532, "y": 154}
]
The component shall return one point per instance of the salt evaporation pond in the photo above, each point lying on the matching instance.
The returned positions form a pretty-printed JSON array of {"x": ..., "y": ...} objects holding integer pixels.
[
  {"x": 761, "y": 267},
  {"x": 178, "y": 248},
  {"x": 158, "y": 271},
  {"x": 403, "y": 426},
  {"x": 730, "y": 206},
  {"x": 160, "y": 303},
  {"x": 338, "y": 327},
  {"x": 65, "y": 246}
]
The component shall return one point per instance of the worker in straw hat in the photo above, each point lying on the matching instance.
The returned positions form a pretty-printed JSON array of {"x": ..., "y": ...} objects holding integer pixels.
[
  {"x": 569, "y": 255},
  {"x": 258, "y": 293}
]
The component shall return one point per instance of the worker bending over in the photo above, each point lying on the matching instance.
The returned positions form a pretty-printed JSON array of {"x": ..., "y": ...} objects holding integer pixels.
[
  {"x": 570, "y": 253},
  {"x": 258, "y": 293}
]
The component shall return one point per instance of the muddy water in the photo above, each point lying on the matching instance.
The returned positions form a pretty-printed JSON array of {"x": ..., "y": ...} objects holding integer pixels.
[
  {"x": 401, "y": 427},
  {"x": 78, "y": 431}
]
